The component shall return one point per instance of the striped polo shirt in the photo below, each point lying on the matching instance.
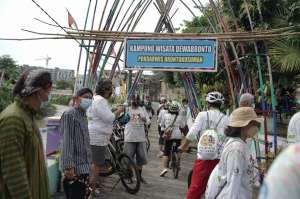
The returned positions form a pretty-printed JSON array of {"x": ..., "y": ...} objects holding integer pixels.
[{"x": 75, "y": 141}]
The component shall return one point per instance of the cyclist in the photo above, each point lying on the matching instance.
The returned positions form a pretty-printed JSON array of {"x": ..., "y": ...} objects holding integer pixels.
[
  {"x": 135, "y": 137},
  {"x": 183, "y": 114},
  {"x": 213, "y": 118},
  {"x": 171, "y": 122},
  {"x": 160, "y": 112},
  {"x": 149, "y": 109}
]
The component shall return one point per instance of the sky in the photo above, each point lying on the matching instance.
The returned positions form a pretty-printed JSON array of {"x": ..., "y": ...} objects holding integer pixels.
[{"x": 16, "y": 14}]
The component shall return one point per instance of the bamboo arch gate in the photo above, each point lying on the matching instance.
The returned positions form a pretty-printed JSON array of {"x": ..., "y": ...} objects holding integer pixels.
[{"x": 104, "y": 40}]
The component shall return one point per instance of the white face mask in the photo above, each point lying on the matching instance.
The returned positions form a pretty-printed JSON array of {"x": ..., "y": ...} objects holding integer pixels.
[{"x": 44, "y": 103}]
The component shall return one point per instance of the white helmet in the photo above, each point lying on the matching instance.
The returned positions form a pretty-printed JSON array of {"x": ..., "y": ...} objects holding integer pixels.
[{"x": 215, "y": 97}]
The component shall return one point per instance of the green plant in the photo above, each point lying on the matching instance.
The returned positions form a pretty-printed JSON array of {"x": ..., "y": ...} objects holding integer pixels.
[
  {"x": 62, "y": 84},
  {"x": 61, "y": 99},
  {"x": 46, "y": 111}
]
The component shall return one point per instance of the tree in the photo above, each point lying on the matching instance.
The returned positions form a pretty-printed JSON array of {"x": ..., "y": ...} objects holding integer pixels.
[
  {"x": 62, "y": 84},
  {"x": 9, "y": 73}
]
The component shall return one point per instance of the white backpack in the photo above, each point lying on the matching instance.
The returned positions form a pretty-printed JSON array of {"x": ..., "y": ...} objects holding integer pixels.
[{"x": 210, "y": 141}]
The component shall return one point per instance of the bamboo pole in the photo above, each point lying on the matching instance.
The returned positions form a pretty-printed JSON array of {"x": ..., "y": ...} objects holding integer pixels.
[
  {"x": 227, "y": 64},
  {"x": 226, "y": 29},
  {"x": 80, "y": 51},
  {"x": 261, "y": 84},
  {"x": 273, "y": 99}
]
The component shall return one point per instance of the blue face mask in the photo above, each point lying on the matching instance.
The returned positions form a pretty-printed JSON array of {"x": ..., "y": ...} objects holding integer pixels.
[{"x": 85, "y": 103}]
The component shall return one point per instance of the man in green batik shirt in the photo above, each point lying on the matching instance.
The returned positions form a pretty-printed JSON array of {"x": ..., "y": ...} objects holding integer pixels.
[{"x": 23, "y": 172}]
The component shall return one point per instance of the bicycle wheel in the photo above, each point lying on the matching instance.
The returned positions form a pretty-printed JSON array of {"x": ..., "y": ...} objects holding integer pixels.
[
  {"x": 174, "y": 165},
  {"x": 129, "y": 174}
]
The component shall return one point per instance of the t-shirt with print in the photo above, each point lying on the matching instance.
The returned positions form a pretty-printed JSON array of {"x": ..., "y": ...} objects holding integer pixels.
[
  {"x": 202, "y": 123},
  {"x": 135, "y": 128},
  {"x": 167, "y": 121},
  {"x": 234, "y": 173},
  {"x": 293, "y": 134},
  {"x": 283, "y": 178}
]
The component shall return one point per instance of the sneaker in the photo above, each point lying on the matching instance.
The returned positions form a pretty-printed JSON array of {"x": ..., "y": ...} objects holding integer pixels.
[{"x": 163, "y": 173}]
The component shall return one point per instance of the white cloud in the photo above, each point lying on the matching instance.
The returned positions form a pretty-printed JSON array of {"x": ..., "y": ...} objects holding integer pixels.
[{"x": 16, "y": 14}]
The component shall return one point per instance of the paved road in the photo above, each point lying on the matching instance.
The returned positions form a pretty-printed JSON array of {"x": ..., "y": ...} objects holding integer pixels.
[{"x": 157, "y": 187}]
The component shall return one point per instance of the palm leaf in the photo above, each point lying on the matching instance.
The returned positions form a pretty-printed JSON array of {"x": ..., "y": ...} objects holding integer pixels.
[{"x": 286, "y": 54}]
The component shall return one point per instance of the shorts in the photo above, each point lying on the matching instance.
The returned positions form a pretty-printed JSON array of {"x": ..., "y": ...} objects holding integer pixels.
[
  {"x": 201, "y": 172},
  {"x": 98, "y": 155},
  {"x": 169, "y": 144},
  {"x": 161, "y": 140},
  {"x": 137, "y": 152}
]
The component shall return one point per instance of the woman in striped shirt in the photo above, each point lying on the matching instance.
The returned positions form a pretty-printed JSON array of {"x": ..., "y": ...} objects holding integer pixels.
[
  {"x": 75, "y": 160},
  {"x": 23, "y": 172}
]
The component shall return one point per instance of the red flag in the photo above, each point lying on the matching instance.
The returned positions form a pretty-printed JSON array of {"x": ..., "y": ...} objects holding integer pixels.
[{"x": 71, "y": 21}]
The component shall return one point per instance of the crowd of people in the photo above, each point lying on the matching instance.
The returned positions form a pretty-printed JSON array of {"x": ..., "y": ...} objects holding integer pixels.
[{"x": 225, "y": 167}]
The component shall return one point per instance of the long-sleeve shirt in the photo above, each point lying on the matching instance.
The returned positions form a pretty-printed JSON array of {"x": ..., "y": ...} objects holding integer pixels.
[
  {"x": 283, "y": 178},
  {"x": 216, "y": 120},
  {"x": 101, "y": 120},
  {"x": 75, "y": 142},
  {"x": 167, "y": 121},
  {"x": 234, "y": 176},
  {"x": 23, "y": 173},
  {"x": 293, "y": 134}
]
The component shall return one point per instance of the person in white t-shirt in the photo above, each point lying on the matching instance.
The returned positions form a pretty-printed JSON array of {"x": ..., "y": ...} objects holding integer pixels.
[
  {"x": 172, "y": 120},
  {"x": 212, "y": 118},
  {"x": 234, "y": 176},
  {"x": 160, "y": 112},
  {"x": 135, "y": 137},
  {"x": 293, "y": 134},
  {"x": 100, "y": 124}
]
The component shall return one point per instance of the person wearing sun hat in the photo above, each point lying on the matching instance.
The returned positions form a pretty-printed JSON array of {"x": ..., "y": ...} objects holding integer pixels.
[
  {"x": 233, "y": 177},
  {"x": 23, "y": 172}
]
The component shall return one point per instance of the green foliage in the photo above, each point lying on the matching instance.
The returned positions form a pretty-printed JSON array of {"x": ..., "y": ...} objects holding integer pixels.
[
  {"x": 62, "y": 84},
  {"x": 6, "y": 95},
  {"x": 46, "y": 111},
  {"x": 8, "y": 75},
  {"x": 61, "y": 99}
]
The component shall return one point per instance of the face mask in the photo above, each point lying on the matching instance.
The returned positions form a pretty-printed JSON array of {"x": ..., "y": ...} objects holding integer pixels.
[
  {"x": 253, "y": 130},
  {"x": 253, "y": 106},
  {"x": 85, "y": 103},
  {"x": 44, "y": 103}
]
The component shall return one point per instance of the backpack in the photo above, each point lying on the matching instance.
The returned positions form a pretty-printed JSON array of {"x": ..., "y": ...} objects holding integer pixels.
[
  {"x": 210, "y": 141},
  {"x": 169, "y": 130}
]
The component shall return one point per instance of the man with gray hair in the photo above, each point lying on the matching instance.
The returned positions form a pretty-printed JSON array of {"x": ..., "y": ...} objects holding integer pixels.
[{"x": 247, "y": 100}]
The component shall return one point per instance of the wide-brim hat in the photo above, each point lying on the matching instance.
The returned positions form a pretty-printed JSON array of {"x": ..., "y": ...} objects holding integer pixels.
[{"x": 242, "y": 116}]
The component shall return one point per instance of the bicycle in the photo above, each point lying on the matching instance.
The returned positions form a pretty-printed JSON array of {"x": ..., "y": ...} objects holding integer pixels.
[
  {"x": 174, "y": 161},
  {"x": 123, "y": 166}
]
